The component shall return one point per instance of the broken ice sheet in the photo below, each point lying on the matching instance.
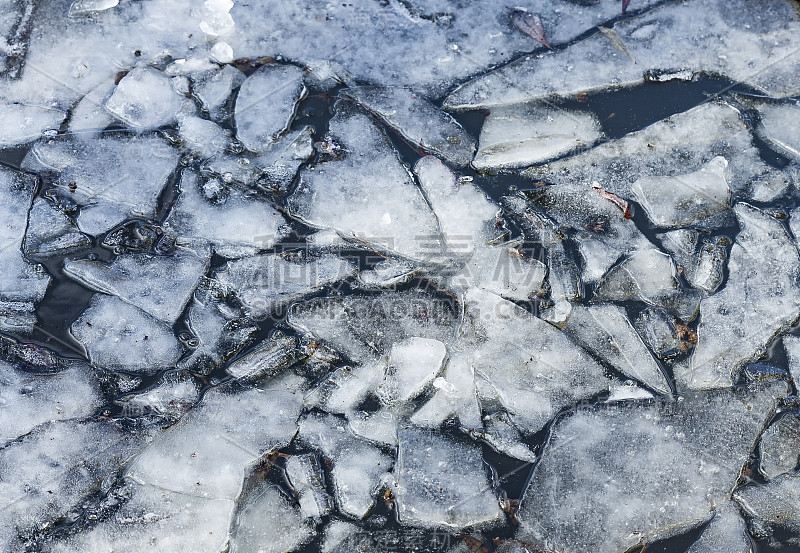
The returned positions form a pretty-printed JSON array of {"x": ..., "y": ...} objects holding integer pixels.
[
  {"x": 680, "y": 144},
  {"x": 15, "y": 28},
  {"x": 266, "y": 104},
  {"x": 263, "y": 283},
  {"x": 618, "y": 476},
  {"x": 411, "y": 367},
  {"x": 760, "y": 299},
  {"x": 120, "y": 336},
  {"x": 422, "y": 124},
  {"x": 105, "y": 176},
  {"x": 780, "y": 446},
  {"x": 235, "y": 225},
  {"x": 532, "y": 378},
  {"x": 687, "y": 199},
  {"x": 308, "y": 483},
  {"x": 745, "y": 42},
  {"x": 359, "y": 469},
  {"x": 779, "y": 125},
  {"x": 144, "y": 99},
  {"x": 503, "y": 270},
  {"x": 160, "y": 285},
  {"x": 169, "y": 398},
  {"x": 442, "y": 482},
  {"x": 51, "y": 232},
  {"x": 726, "y": 533},
  {"x": 519, "y": 136},
  {"x": 213, "y": 88},
  {"x": 268, "y": 359},
  {"x": 606, "y": 331},
  {"x": 25, "y": 123},
  {"x": 777, "y": 502},
  {"x": 367, "y": 194}
]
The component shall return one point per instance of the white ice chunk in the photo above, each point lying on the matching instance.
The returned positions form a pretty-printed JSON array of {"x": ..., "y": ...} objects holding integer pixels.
[
  {"x": 780, "y": 446},
  {"x": 89, "y": 7},
  {"x": 466, "y": 216},
  {"x": 780, "y": 124},
  {"x": 266, "y": 103},
  {"x": 214, "y": 88},
  {"x": 791, "y": 344},
  {"x": 51, "y": 233},
  {"x": 424, "y": 125},
  {"x": 89, "y": 117},
  {"x": 120, "y": 336},
  {"x": 726, "y": 533},
  {"x": 519, "y": 136},
  {"x": 614, "y": 477},
  {"x": 144, "y": 99},
  {"x": 441, "y": 482},
  {"x": 160, "y": 285},
  {"x": 777, "y": 502},
  {"x": 367, "y": 194},
  {"x": 412, "y": 366},
  {"x": 172, "y": 396},
  {"x": 503, "y": 270},
  {"x": 456, "y": 396},
  {"x": 270, "y": 523},
  {"x": 760, "y": 299},
  {"x": 683, "y": 200},
  {"x": 25, "y": 123},
  {"x": 502, "y": 436},
  {"x": 202, "y": 136},
  {"x": 106, "y": 176},
  {"x": 306, "y": 477},
  {"x": 271, "y": 357},
  {"x": 606, "y": 331},
  {"x": 379, "y": 427}
]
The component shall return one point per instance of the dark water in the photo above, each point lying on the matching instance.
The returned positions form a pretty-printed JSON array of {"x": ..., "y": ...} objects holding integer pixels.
[{"x": 620, "y": 111}]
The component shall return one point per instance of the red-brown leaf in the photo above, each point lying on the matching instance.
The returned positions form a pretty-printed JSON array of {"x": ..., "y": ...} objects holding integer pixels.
[
  {"x": 531, "y": 25},
  {"x": 616, "y": 200},
  {"x": 625, "y": 6}
]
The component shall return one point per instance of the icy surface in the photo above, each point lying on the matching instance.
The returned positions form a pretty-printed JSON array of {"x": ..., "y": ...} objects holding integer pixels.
[
  {"x": 780, "y": 446},
  {"x": 726, "y": 533},
  {"x": 144, "y": 99},
  {"x": 779, "y": 123},
  {"x": 587, "y": 495},
  {"x": 25, "y": 123},
  {"x": 760, "y": 299},
  {"x": 51, "y": 232},
  {"x": 777, "y": 503}
]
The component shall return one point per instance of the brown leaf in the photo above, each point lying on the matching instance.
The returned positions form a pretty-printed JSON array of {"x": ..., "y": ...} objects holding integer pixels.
[
  {"x": 616, "y": 200},
  {"x": 475, "y": 545},
  {"x": 531, "y": 25},
  {"x": 625, "y": 6}
]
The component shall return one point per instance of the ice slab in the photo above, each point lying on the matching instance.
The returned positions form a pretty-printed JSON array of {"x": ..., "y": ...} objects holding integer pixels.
[
  {"x": 266, "y": 282},
  {"x": 366, "y": 194},
  {"x": 411, "y": 367},
  {"x": 267, "y": 360},
  {"x": 15, "y": 31},
  {"x": 28, "y": 400},
  {"x": 710, "y": 33},
  {"x": 519, "y": 136},
  {"x": 265, "y": 104},
  {"x": 456, "y": 396},
  {"x": 25, "y": 123},
  {"x": 308, "y": 482},
  {"x": 726, "y": 533},
  {"x": 586, "y": 493},
  {"x": 441, "y": 482},
  {"x": 144, "y": 99},
  {"x": 120, "y": 336},
  {"x": 466, "y": 216},
  {"x": 791, "y": 344},
  {"x": 760, "y": 299},
  {"x": 533, "y": 378},
  {"x": 51, "y": 232},
  {"x": 501, "y": 435},
  {"x": 201, "y": 137},
  {"x": 779, "y": 124},
  {"x": 235, "y": 225},
  {"x": 684, "y": 200},
  {"x": 172, "y": 395},
  {"x": 421, "y": 123},
  {"x": 680, "y": 144},
  {"x": 780, "y": 447},
  {"x": 105, "y": 176},
  {"x": 158, "y": 285},
  {"x": 502, "y": 270},
  {"x": 777, "y": 502},
  {"x": 606, "y": 331},
  {"x": 270, "y": 523},
  {"x": 665, "y": 336},
  {"x": 213, "y": 88}
]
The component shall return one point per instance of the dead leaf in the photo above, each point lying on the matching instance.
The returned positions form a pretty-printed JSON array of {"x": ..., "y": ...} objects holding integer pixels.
[
  {"x": 616, "y": 200},
  {"x": 612, "y": 35},
  {"x": 531, "y": 25},
  {"x": 625, "y": 6}
]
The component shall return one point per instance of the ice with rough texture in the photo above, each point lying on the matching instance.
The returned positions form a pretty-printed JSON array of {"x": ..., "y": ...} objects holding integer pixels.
[
  {"x": 422, "y": 124},
  {"x": 709, "y": 269},
  {"x": 726, "y": 533},
  {"x": 502, "y": 436},
  {"x": 25, "y": 123},
  {"x": 175, "y": 393},
  {"x": 680, "y": 144},
  {"x": 780, "y": 447},
  {"x": 441, "y": 482},
  {"x": 532, "y": 378},
  {"x": 130, "y": 277},
  {"x": 777, "y": 502},
  {"x": 308, "y": 482},
  {"x": 200, "y": 136},
  {"x": 779, "y": 125},
  {"x": 367, "y": 195},
  {"x": 745, "y": 42},
  {"x": 265, "y": 282},
  {"x": 15, "y": 27},
  {"x": 683, "y": 200},
  {"x": 106, "y": 176},
  {"x": 266, "y": 103},
  {"x": 465, "y": 215},
  {"x": 213, "y": 88},
  {"x": 270, "y": 358},
  {"x": 51, "y": 232},
  {"x": 120, "y": 336},
  {"x": 89, "y": 117},
  {"x": 28, "y": 400},
  {"x": 661, "y": 332},
  {"x": 144, "y": 99},
  {"x": 519, "y": 136},
  {"x": 791, "y": 345},
  {"x": 270, "y": 523},
  {"x": 760, "y": 299},
  {"x": 617, "y": 476},
  {"x": 456, "y": 396},
  {"x": 359, "y": 468},
  {"x": 234, "y": 225},
  {"x": 411, "y": 367},
  {"x": 89, "y": 7},
  {"x": 502, "y": 270},
  {"x": 606, "y": 331}
]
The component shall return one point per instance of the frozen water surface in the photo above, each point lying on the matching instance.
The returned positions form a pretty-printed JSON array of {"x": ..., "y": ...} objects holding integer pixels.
[{"x": 399, "y": 276}]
